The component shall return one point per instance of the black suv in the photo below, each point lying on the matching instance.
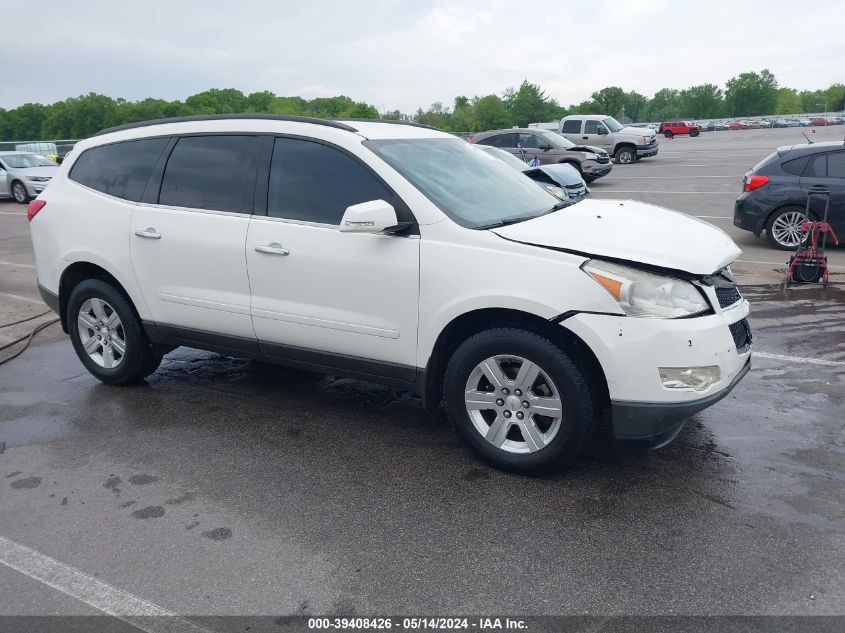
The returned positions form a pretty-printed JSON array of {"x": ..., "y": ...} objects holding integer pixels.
[{"x": 774, "y": 192}]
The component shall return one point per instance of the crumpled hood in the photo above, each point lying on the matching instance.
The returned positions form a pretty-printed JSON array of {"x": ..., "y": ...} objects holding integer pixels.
[
  {"x": 631, "y": 231},
  {"x": 589, "y": 148}
]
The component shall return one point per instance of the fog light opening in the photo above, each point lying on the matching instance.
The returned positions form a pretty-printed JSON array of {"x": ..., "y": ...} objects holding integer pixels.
[{"x": 695, "y": 378}]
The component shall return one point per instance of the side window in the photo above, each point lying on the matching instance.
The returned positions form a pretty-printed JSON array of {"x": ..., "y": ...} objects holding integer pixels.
[
  {"x": 313, "y": 182},
  {"x": 492, "y": 141},
  {"x": 529, "y": 141},
  {"x": 572, "y": 126},
  {"x": 796, "y": 166},
  {"x": 121, "y": 169},
  {"x": 591, "y": 127},
  {"x": 818, "y": 167},
  {"x": 210, "y": 172},
  {"x": 836, "y": 165}
]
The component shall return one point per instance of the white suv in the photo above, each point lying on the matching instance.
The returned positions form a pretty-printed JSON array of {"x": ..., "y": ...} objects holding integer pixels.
[{"x": 394, "y": 253}]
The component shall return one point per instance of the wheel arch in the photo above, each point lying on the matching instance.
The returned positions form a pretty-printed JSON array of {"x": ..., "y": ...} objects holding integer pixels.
[
  {"x": 465, "y": 325},
  {"x": 78, "y": 272}
]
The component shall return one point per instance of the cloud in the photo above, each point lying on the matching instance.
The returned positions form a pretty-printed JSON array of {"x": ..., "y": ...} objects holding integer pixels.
[{"x": 407, "y": 54}]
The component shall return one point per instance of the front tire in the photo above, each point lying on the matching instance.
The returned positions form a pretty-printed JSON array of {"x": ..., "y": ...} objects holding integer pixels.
[
  {"x": 783, "y": 228},
  {"x": 626, "y": 155},
  {"x": 668, "y": 134},
  {"x": 107, "y": 334},
  {"x": 518, "y": 400},
  {"x": 19, "y": 193},
  {"x": 694, "y": 133}
]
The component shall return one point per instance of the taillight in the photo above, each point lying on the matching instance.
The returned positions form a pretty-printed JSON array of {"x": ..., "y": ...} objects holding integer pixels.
[
  {"x": 750, "y": 183},
  {"x": 34, "y": 207}
]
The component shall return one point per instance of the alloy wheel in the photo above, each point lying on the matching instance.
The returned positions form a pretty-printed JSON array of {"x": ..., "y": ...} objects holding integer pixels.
[
  {"x": 19, "y": 192},
  {"x": 513, "y": 404},
  {"x": 786, "y": 229},
  {"x": 101, "y": 333}
]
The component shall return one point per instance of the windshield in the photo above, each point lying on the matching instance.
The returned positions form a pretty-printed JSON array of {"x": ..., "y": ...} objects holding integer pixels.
[
  {"x": 22, "y": 161},
  {"x": 557, "y": 140},
  {"x": 612, "y": 124},
  {"x": 466, "y": 183},
  {"x": 504, "y": 156}
]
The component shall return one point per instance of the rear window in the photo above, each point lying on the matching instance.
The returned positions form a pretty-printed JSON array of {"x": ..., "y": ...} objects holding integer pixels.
[
  {"x": 573, "y": 126},
  {"x": 765, "y": 161},
  {"x": 120, "y": 169},
  {"x": 836, "y": 165}
]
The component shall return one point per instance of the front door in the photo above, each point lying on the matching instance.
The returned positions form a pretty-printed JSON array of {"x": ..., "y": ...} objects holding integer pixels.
[
  {"x": 595, "y": 133},
  {"x": 826, "y": 173},
  {"x": 337, "y": 299},
  {"x": 188, "y": 249}
]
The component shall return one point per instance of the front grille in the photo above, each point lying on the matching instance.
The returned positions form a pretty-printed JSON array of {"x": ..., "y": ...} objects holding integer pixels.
[
  {"x": 727, "y": 296},
  {"x": 602, "y": 159},
  {"x": 741, "y": 333}
]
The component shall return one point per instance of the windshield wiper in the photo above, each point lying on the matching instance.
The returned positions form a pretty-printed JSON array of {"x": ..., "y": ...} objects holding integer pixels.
[{"x": 507, "y": 221}]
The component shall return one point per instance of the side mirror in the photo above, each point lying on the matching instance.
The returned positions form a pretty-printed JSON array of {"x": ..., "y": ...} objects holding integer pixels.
[
  {"x": 545, "y": 147},
  {"x": 375, "y": 216},
  {"x": 601, "y": 130}
]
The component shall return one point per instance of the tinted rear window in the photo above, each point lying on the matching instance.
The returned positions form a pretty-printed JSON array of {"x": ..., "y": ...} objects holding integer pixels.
[
  {"x": 573, "y": 126},
  {"x": 765, "y": 161},
  {"x": 120, "y": 169},
  {"x": 836, "y": 165},
  {"x": 210, "y": 172},
  {"x": 796, "y": 166}
]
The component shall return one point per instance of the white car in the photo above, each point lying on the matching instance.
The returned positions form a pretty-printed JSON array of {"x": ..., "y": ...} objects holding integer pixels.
[{"x": 394, "y": 253}]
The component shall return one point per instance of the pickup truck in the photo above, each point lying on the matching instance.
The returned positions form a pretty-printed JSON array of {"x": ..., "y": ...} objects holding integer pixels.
[{"x": 625, "y": 144}]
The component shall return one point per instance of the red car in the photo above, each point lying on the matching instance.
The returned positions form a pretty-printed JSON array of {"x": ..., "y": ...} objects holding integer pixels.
[
  {"x": 673, "y": 128},
  {"x": 819, "y": 121},
  {"x": 738, "y": 125}
]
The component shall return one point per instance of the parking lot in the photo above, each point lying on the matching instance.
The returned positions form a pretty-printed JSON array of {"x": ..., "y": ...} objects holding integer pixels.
[{"x": 224, "y": 486}]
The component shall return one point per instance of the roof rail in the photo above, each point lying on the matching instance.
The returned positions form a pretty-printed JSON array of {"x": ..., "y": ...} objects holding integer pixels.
[
  {"x": 411, "y": 123},
  {"x": 216, "y": 117}
]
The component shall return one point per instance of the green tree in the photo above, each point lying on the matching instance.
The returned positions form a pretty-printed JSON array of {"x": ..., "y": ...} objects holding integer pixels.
[
  {"x": 490, "y": 113},
  {"x": 25, "y": 121},
  {"x": 216, "y": 101},
  {"x": 635, "y": 106},
  {"x": 751, "y": 94},
  {"x": 788, "y": 101},
  {"x": 529, "y": 104},
  {"x": 610, "y": 100},
  {"x": 699, "y": 102},
  {"x": 665, "y": 104}
]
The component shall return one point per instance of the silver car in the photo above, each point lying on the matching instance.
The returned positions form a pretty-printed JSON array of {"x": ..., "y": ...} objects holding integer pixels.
[{"x": 23, "y": 175}]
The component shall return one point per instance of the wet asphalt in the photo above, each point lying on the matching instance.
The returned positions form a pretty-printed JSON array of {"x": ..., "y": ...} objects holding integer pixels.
[{"x": 223, "y": 486}]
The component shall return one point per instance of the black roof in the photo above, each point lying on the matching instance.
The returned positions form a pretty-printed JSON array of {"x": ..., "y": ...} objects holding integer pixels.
[
  {"x": 809, "y": 148},
  {"x": 252, "y": 115}
]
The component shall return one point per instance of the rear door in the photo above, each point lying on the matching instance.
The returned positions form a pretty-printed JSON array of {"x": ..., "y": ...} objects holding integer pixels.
[
  {"x": 187, "y": 238},
  {"x": 336, "y": 299},
  {"x": 826, "y": 174}
]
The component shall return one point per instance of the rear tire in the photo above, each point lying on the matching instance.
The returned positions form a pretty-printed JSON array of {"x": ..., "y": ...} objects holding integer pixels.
[
  {"x": 107, "y": 334},
  {"x": 782, "y": 225},
  {"x": 526, "y": 368}
]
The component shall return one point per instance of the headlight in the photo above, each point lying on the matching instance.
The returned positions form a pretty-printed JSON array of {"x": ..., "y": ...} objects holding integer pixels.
[
  {"x": 556, "y": 191},
  {"x": 646, "y": 295},
  {"x": 590, "y": 156},
  {"x": 647, "y": 140}
]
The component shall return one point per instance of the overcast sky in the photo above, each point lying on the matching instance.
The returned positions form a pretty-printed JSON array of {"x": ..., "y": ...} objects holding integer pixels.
[{"x": 405, "y": 54}]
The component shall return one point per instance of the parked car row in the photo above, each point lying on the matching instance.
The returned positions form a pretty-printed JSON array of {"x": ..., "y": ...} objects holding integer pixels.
[{"x": 775, "y": 122}]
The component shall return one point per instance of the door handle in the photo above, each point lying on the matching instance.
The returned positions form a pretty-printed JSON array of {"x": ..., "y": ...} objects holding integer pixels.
[
  {"x": 586, "y": 138},
  {"x": 150, "y": 233},
  {"x": 272, "y": 249}
]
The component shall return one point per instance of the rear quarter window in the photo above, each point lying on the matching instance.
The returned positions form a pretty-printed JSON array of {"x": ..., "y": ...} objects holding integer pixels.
[
  {"x": 119, "y": 169},
  {"x": 765, "y": 161},
  {"x": 796, "y": 166}
]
